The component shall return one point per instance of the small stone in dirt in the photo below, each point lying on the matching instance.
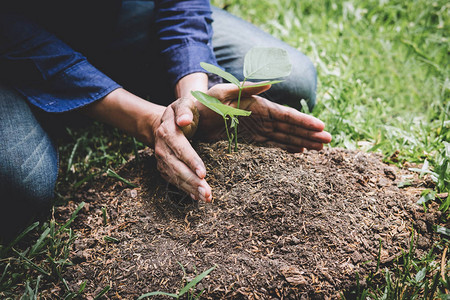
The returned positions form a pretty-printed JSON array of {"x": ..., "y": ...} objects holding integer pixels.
[
  {"x": 132, "y": 193},
  {"x": 79, "y": 257},
  {"x": 383, "y": 182},
  {"x": 356, "y": 257},
  {"x": 293, "y": 275}
]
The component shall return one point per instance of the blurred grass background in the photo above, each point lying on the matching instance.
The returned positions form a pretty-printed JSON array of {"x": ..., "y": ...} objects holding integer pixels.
[{"x": 383, "y": 67}]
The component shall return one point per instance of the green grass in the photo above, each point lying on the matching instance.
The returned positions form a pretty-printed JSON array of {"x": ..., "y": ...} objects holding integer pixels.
[{"x": 384, "y": 86}]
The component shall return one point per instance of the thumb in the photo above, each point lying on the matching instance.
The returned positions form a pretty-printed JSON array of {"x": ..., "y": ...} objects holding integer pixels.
[
  {"x": 186, "y": 115},
  {"x": 183, "y": 109}
]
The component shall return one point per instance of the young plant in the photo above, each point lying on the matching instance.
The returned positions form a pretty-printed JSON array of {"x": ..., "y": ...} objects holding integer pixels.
[
  {"x": 260, "y": 63},
  {"x": 227, "y": 112}
]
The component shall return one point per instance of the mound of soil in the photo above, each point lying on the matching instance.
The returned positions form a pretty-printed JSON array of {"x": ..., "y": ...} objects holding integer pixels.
[{"x": 280, "y": 226}]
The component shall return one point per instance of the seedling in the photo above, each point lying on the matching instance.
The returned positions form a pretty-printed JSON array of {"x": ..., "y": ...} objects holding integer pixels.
[
  {"x": 225, "y": 111},
  {"x": 260, "y": 63}
]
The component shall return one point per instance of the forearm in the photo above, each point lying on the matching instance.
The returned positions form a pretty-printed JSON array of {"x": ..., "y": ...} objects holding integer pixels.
[
  {"x": 192, "y": 82},
  {"x": 129, "y": 113}
]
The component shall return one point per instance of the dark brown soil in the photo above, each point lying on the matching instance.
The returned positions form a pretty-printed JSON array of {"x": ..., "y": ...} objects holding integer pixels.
[{"x": 280, "y": 226}]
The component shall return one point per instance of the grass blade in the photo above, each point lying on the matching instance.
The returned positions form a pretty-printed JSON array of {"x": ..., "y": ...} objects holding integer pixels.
[
  {"x": 74, "y": 215},
  {"x": 19, "y": 237},
  {"x": 104, "y": 291},
  {"x": 32, "y": 264},
  {"x": 195, "y": 281},
  {"x": 39, "y": 243},
  {"x": 158, "y": 294},
  {"x": 113, "y": 174}
]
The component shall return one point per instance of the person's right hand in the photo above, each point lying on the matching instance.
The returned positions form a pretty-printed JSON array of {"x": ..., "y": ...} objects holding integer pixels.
[
  {"x": 177, "y": 161},
  {"x": 270, "y": 123}
]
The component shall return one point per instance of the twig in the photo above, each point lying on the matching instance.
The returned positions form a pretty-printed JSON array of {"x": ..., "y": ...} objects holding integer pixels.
[{"x": 443, "y": 264}]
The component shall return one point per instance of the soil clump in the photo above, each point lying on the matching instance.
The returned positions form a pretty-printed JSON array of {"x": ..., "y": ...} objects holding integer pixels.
[{"x": 280, "y": 226}]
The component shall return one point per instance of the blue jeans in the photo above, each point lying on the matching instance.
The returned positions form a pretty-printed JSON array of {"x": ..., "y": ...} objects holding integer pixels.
[
  {"x": 28, "y": 164},
  {"x": 28, "y": 155}
]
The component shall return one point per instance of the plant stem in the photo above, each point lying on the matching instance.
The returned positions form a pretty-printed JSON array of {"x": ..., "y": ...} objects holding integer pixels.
[
  {"x": 241, "y": 87},
  {"x": 238, "y": 106},
  {"x": 235, "y": 137},
  {"x": 228, "y": 135}
]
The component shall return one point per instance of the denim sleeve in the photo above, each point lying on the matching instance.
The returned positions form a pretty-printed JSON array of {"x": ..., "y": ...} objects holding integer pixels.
[
  {"x": 50, "y": 74},
  {"x": 185, "y": 33}
]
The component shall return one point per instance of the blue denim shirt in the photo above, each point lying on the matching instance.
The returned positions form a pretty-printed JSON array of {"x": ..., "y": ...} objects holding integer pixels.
[{"x": 36, "y": 60}]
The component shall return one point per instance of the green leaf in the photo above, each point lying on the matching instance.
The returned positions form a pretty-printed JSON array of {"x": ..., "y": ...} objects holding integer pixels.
[
  {"x": 234, "y": 122},
  {"x": 208, "y": 101},
  {"x": 421, "y": 274},
  {"x": 443, "y": 230},
  {"x": 217, "y": 106},
  {"x": 195, "y": 281},
  {"x": 266, "y": 63},
  {"x": 262, "y": 83},
  {"x": 218, "y": 71},
  {"x": 425, "y": 198},
  {"x": 157, "y": 294}
]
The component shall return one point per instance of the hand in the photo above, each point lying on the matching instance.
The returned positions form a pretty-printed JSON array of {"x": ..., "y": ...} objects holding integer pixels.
[
  {"x": 177, "y": 161},
  {"x": 269, "y": 122}
]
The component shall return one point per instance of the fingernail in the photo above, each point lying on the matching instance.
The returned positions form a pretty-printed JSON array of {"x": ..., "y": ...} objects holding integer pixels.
[
  {"x": 201, "y": 193},
  {"x": 193, "y": 197},
  {"x": 184, "y": 118},
  {"x": 200, "y": 172},
  {"x": 209, "y": 199}
]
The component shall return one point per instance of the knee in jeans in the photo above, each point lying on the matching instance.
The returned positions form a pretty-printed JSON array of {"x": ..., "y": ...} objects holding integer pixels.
[
  {"x": 300, "y": 84},
  {"x": 303, "y": 79},
  {"x": 27, "y": 188}
]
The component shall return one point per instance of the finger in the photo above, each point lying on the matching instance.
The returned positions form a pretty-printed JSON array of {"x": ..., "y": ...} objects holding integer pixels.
[
  {"x": 183, "y": 109},
  {"x": 186, "y": 116},
  {"x": 177, "y": 173},
  {"x": 177, "y": 143},
  {"x": 277, "y": 112},
  {"x": 294, "y": 141},
  {"x": 266, "y": 126},
  {"x": 316, "y": 136}
]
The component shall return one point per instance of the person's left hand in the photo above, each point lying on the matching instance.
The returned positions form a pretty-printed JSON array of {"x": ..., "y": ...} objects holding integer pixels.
[
  {"x": 269, "y": 122},
  {"x": 177, "y": 161}
]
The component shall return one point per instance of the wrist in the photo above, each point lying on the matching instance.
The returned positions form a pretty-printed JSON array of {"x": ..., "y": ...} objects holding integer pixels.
[{"x": 129, "y": 113}]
